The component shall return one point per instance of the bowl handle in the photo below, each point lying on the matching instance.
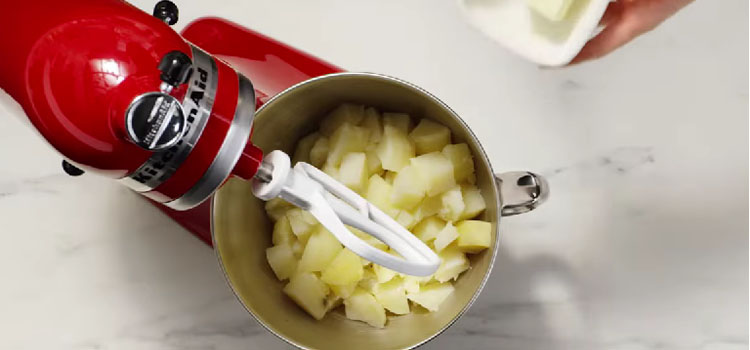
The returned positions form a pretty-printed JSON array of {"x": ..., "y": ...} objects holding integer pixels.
[{"x": 521, "y": 191}]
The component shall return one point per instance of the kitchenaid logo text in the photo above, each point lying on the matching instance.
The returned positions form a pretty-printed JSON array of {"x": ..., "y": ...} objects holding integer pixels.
[
  {"x": 194, "y": 103},
  {"x": 162, "y": 111}
]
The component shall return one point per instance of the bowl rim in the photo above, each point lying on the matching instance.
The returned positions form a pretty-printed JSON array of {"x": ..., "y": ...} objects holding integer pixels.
[{"x": 498, "y": 198}]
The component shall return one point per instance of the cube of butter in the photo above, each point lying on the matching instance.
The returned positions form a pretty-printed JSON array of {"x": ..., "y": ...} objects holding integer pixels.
[{"x": 553, "y": 10}]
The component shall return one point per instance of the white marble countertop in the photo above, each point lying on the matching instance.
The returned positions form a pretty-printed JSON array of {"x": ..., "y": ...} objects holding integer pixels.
[{"x": 643, "y": 244}]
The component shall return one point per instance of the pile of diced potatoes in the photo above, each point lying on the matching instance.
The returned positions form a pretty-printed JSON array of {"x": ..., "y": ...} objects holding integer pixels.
[{"x": 415, "y": 175}]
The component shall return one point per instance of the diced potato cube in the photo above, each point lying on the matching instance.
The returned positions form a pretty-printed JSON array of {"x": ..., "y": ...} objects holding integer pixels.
[
  {"x": 282, "y": 261},
  {"x": 395, "y": 149},
  {"x": 401, "y": 121},
  {"x": 429, "y": 136},
  {"x": 428, "y": 228},
  {"x": 369, "y": 280},
  {"x": 474, "y": 235},
  {"x": 453, "y": 204},
  {"x": 463, "y": 163},
  {"x": 383, "y": 274},
  {"x": 277, "y": 208},
  {"x": 379, "y": 193},
  {"x": 345, "y": 269},
  {"x": 331, "y": 170},
  {"x": 302, "y": 152},
  {"x": 320, "y": 250},
  {"x": 301, "y": 222},
  {"x": 408, "y": 188},
  {"x": 309, "y": 292},
  {"x": 446, "y": 236},
  {"x": 390, "y": 176},
  {"x": 410, "y": 281},
  {"x": 427, "y": 280},
  {"x": 473, "y": 202},
  {"x": 343, "y": 291},
  {"x": 347, "y": 138},
  {"x": 353, "y": 171},
  {"x": 392, "y": 295},
  {"x": 453, "y": 262},
  {"x": 406, "y": 219},
  {"x": 373, "y": 125},
  {"x": 553, "y": 10},
  {"x": 362, "y": 306},
  {"x": 368, "y": 239},
  {"x": 373, "y": 161},
  {"x": 298, "y": 247},
  {"x": 319, "y": 152},
  {"x": 282, "y": 232},
  {"x": 436, "y": 171},
  {"x": 333, "y": 301},
  {"x": 429, "y": 207},
  {"x": 345, "y": 113},
  {"x": 411, "y": 284},
  {"x": 430, "y": 296}
]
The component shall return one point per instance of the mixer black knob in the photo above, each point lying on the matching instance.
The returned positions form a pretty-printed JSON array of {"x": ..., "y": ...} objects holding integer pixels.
[
  {"x": 155, "y": 121},
  {"x": 71, "y": 169},
  {"x": 176, "y": 67},
  {"x": 166, "y": 11}
]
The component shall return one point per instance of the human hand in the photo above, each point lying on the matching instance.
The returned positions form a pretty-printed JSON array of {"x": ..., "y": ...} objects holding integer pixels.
[{"x": 624, "y": 20}]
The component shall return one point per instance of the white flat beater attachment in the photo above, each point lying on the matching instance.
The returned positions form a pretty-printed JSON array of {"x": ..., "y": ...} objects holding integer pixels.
[{"x": 335, "y": 205}]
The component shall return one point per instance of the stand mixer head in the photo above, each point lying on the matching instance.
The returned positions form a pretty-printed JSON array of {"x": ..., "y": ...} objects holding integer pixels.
[{"x": 119, "y": 93}]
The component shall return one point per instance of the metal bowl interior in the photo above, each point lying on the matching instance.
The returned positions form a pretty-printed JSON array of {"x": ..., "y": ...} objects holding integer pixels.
[{"x": 242, "y": 231}]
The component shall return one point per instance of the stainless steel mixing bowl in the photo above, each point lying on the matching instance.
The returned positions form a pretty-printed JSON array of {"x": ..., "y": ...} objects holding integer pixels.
[{"x": 242, "y": 231}]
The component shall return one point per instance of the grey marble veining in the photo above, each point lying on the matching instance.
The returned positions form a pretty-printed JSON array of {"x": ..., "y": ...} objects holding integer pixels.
[{"x": 642, "y": 246}]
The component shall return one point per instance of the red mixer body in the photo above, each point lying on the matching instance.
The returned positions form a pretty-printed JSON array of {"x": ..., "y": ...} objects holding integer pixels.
[{"x": 89, "y": 75}]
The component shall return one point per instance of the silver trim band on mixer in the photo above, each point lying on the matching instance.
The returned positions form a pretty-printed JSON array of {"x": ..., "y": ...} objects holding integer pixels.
[
  {"x": 198, "y": 103},
  {"x": 229, "y": 152}
]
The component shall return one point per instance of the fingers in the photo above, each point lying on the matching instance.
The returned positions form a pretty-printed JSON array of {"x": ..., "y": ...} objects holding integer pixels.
[
  {"x": 625, "y": 20},
  {"x": 617, "y": 32},
  {"x": 612, "y": 13}
]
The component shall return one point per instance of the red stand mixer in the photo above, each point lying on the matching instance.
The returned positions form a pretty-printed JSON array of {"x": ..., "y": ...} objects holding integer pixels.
[{"x": 119, "y": 93}]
